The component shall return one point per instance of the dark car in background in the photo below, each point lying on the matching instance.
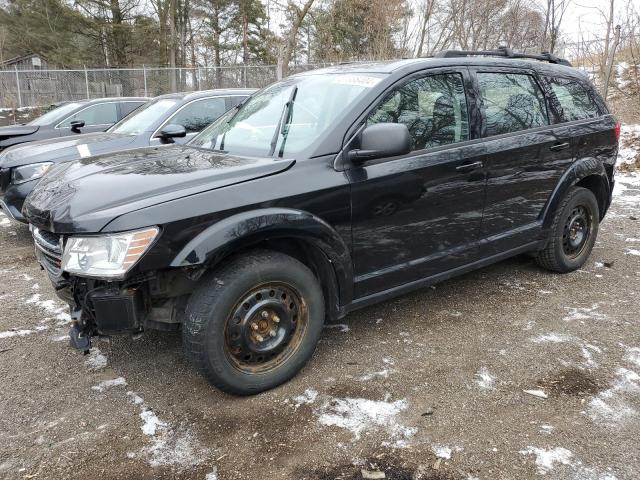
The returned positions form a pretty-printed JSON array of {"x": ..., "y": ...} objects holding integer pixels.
[
  {"x": 172, "y": 118},
  {"x": 267, "y": 224},
  {"x": 82, "y": 116}
]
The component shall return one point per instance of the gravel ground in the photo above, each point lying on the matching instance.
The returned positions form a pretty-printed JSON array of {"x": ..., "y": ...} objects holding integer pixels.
[{"x": 506, "y": 373}]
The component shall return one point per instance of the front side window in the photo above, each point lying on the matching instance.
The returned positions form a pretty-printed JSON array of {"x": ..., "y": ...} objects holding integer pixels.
[
  {"x": 287, "y": 117},
  {"x": 573, "y": 101},
  {"x": 433, "y": 108},
  {"x": 511, "y": 102},
  {"x": 197, "y": 115},
  {"x": 99, "y": 114}
]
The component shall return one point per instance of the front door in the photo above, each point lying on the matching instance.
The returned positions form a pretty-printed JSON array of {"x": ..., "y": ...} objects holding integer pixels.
[{"x": 419, "y": 215}]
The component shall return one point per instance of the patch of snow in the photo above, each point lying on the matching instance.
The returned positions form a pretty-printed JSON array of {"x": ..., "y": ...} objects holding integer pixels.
[
  {"x": 5, "y": 222},
  {"x": 361, "y": 415},
  {"x": 610, "y": 406},
  {"x": 57, "y": 310},
  {"x": 536, "y": 393},
  {"x": 552, "y": 338},
  {"x": 632, "y": 240},
  {"x": 106, "y": 384},
  {"x": 370, "y": 376},
  {"x": 173, "y": 447},
  {"x": 484, "y": 379},
  {"x": 212, "y": 475},
  {"x": 632, "y": 251},
  {"x": 584, "y": 313},
  {"x": 546, "y": 459},
  {"x": 343, "y": 327},
  {"x": 150, "y": 422},
  {"x": 309, "y": 396},
  {"x": 95, "y": 360},
  {"x": 16, "y": 333},
  {"x": 442, "y": 452},
  {"x": 633, "y": 355},
  {"x": 546, "y": 428}
]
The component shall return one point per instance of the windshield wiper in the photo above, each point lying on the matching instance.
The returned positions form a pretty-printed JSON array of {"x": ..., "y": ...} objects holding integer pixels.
[
  {"x": 283, "y": 124},
  {"x": 235, "y": 111}
]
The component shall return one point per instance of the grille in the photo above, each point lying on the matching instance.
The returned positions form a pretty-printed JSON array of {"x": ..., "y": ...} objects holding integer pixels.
[{"x": 48, "y": 250}]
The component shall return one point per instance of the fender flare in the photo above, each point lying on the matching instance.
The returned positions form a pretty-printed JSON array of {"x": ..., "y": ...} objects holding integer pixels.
[
  {"x": 251, "y": 227},
  {"x": 578, "y": 171}
]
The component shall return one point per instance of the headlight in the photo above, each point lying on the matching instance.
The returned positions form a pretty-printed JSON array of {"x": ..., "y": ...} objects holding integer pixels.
[
  {"x": 30, "y": 172},
  {"x": 106, "y": 256}
]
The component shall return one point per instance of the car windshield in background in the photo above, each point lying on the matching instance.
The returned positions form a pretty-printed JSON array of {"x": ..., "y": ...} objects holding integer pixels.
[
  {"x": 142, "y": 119},
  {"x": 55, "y": 115},
  {"x": 286, "y": 117}
]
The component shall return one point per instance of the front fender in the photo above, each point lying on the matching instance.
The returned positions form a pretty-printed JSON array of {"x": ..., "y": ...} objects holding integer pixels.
[
  {"x": 578, "y": 171},
  {"x": 251, "y": 227}
]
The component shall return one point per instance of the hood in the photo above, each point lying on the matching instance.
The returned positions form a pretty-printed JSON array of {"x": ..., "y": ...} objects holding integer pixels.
[
  {"x": 65, "y": 148},
  {"x": 85, "y": 195},
  {"x": 17, "y": 131}
]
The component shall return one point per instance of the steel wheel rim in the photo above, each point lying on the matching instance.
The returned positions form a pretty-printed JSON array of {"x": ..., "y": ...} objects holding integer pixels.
[
  {"x": 577, "y": 231},
  {"x": 265, "y": 327}
]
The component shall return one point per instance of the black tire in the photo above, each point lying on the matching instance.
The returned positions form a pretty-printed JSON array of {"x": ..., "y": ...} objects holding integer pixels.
[
  {"x": 222, "y": 315},
  {"x": 576, "y": 215}
]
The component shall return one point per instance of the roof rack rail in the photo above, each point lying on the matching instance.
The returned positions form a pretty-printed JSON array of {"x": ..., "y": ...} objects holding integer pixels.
[{"x": 503, "y": 52}]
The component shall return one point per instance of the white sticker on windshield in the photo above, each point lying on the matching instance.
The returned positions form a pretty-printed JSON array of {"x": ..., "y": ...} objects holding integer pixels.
[
  {"x": 356, "y": 80},
  {"x": 84, "y": 151}
]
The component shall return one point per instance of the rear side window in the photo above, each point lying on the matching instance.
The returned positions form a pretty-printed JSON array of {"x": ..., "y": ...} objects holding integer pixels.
[
  {"x": 433, "y": 108},
  {"x": 511, "y": 102},
  {"x": 197, "y": 115},
  {"x": 127, "y": 107},
  {"x": 573, "y": 100}
]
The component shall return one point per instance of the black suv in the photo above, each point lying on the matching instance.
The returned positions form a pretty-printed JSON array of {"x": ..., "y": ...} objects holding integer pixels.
[{"x": 323, "y": 193}]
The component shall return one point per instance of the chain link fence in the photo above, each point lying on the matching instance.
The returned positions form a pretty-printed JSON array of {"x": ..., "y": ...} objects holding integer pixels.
[{"x": 41, "y": 88}]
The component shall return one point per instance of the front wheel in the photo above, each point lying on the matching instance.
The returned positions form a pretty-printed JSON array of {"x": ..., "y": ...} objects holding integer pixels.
[
  {"x": 254, "y": 323},
  {"x": 573, "y": 232}
]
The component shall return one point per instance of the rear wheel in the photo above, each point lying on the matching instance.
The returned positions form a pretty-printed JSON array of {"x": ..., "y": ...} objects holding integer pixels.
[
  {"x": 573, "y": 232},
  {"x": 253, "y": 324}
]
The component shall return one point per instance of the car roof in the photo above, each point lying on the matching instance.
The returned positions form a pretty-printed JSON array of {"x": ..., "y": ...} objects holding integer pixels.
[
  {"x": 414, "y": 64},
  {"x": 113, "y": 99},
  {"x": 209, "y": 93}
]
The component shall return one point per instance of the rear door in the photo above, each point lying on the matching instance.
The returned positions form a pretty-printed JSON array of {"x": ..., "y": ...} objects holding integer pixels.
[
  {"x": 419, "y": 215},
  {"x": 526, "y": 155}
]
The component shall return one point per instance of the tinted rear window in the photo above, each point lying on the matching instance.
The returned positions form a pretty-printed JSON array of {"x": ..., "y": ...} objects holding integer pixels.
[
  {"x": 572, "y": 101},
  {"x": 511, "y": 102}
]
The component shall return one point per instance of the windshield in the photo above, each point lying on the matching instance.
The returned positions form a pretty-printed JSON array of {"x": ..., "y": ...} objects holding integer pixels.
[
  {"x": 286, "y": 117},
  {"x": 143, "y": 119},
  {"x": 55, "y": 115}
]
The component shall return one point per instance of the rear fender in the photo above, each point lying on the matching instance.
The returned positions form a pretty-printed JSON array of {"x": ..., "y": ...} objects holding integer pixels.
[
  {"x": 246, "y": 229},
  {"x": 578, "y": 171}
]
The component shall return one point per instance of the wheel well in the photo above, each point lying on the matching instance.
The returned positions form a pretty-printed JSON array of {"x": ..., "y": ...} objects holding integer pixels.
[
  {"x": 311, "y": 256},
  {"x": 596, "y": 184}
]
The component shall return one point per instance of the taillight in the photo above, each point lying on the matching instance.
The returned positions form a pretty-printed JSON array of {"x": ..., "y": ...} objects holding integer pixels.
[{"x": 617, "y": 130}]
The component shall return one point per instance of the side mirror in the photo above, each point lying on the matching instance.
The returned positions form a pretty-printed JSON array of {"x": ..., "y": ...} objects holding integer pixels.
[
  {"x": 76, "y": 125},
  {"x": 382, "y": 140},
  {"x": 171, "y": 131}
]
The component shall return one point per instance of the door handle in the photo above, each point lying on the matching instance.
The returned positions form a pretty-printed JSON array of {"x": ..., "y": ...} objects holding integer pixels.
[
  {"x": 467, "y": 167},
  {"x": 559, "y": 146}
]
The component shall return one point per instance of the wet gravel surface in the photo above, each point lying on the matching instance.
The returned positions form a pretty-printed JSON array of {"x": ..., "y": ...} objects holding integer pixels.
[{"x": 509, "y": 372}]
